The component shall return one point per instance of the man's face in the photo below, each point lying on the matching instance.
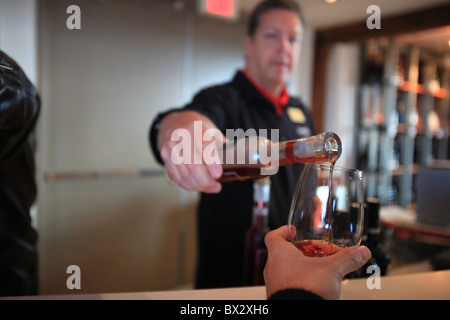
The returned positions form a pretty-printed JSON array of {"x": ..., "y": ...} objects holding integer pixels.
[{"x": 273, "y": 51}]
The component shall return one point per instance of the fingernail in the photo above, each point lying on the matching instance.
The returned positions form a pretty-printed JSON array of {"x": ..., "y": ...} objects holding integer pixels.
[
  {"x": 364, "y": 253},
  {"x": 216, "y": 172},
  {"x": 216, "y": 188}
]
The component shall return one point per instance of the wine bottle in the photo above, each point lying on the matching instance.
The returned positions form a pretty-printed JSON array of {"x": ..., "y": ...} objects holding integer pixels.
[
  {"x": 375, "y": 240},
  {"x": 255, "y": 248},
  {"x": 372, "y": 238},
  {"x": 242, "y": 160}
]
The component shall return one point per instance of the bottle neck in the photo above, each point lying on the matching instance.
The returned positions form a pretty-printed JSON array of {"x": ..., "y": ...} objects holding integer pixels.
[
  {"x": 260, "y": 215},
  {"x": 372, "y": 221},
  {"x": 261, "y": 197},
  {"x": 372, "y": 216},
  {"x": 324, "y": 147},
  {"x": 254, "y": 157}
]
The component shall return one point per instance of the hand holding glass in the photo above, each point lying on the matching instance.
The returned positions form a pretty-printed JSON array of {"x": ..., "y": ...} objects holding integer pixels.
[{"x": 327, "y": 209}]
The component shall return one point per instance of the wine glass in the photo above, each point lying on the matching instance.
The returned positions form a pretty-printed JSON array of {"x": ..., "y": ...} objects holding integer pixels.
[{"x": 327, "y": 210}]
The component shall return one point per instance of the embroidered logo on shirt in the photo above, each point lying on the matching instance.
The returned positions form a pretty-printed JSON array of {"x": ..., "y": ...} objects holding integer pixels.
[{"x": 296, "y": 115}]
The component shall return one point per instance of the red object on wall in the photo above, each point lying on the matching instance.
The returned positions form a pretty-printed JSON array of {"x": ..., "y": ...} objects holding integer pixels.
[{"x": 223, "y": 8}]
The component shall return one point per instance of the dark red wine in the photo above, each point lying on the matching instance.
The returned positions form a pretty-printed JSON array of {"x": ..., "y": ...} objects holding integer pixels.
[{"x": 236, "y": 172}]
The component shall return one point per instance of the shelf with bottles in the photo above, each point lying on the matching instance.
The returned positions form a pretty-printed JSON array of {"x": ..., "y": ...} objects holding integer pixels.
[
  {"x": 418, "y": 88},
  {"x": 435, "y": 107},
  {"x": 404, "y": 119},
  {"x": 422, "y": 105}
]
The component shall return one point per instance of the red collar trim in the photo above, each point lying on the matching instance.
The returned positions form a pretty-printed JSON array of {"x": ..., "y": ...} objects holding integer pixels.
[{"x": 278, "y": 102}]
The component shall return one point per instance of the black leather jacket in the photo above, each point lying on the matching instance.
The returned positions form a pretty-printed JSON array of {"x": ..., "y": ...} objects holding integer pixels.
[{"x": 19, "y": 110}]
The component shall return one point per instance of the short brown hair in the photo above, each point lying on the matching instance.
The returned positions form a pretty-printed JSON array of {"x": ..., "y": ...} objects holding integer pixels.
[{"x": 267, "y": 5}]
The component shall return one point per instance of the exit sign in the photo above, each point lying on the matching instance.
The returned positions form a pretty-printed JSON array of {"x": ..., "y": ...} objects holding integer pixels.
[{"x": 226, "y": 9}]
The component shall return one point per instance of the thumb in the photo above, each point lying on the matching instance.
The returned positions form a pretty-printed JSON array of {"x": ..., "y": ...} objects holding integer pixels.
[
  {"x": 282, "y": 234},
  {"x": 350, "y": 259}
]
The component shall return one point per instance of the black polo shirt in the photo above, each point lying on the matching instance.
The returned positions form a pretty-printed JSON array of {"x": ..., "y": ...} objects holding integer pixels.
[{"x": 224, "y": 218}]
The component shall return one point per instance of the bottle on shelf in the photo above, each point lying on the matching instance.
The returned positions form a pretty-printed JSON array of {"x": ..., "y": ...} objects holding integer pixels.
[
  {"x": 255, "y": 248},
  {"x": 374, "y": 237},
  {"x": 249, "y": 159},
  {"x": 399, "y": 74}
]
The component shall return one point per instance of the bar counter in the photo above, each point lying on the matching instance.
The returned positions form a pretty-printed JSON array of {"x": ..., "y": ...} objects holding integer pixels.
[{"x": 419, "y": 286}]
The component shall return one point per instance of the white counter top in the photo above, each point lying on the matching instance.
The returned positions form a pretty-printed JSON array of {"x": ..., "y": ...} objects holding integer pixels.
[{"x": 420, "y": 286}]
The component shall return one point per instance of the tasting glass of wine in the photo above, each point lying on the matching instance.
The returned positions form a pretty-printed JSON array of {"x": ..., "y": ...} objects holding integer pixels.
[{"x": 327, "y": 209}]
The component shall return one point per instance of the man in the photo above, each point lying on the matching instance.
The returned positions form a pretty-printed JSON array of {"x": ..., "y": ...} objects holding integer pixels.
[
  {"x": 19, "y": 110},
  {"x": 255, "y": 99}
]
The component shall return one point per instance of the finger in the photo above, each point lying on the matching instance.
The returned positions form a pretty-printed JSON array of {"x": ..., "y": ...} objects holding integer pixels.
[
  {"x": 215, "y": 170},
  {"x": 204, "y": 182},
  {"x": 212, "y": 161},
  {"x": 291, "y": 233},
  {"x": 191, "y": 177},
  {"x": 187, "y": 178},
  {"x": 213, "y": 140},
  {"x": 169, "y": 178},
  {"x": 214, "y": 187},
  {"x": 350, "y": 259},
  {"x": 209, "y": 170},
  {"x": 282, "y": 234},
  {"x": 174, "y": 174},
  {"x": 180, "y": 175}
]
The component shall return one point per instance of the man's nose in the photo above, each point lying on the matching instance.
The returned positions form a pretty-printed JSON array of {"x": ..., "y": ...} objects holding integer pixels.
[{"x": 285, "y": 44}]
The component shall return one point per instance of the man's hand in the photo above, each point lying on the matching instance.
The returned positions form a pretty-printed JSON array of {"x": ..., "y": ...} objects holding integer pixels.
[
  {"x": 189, "y": 175},
  {"x": 288, "y": 268}
]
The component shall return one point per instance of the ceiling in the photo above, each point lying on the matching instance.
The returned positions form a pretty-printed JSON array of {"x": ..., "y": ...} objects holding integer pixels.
[{"x": 320, "y": 15}]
